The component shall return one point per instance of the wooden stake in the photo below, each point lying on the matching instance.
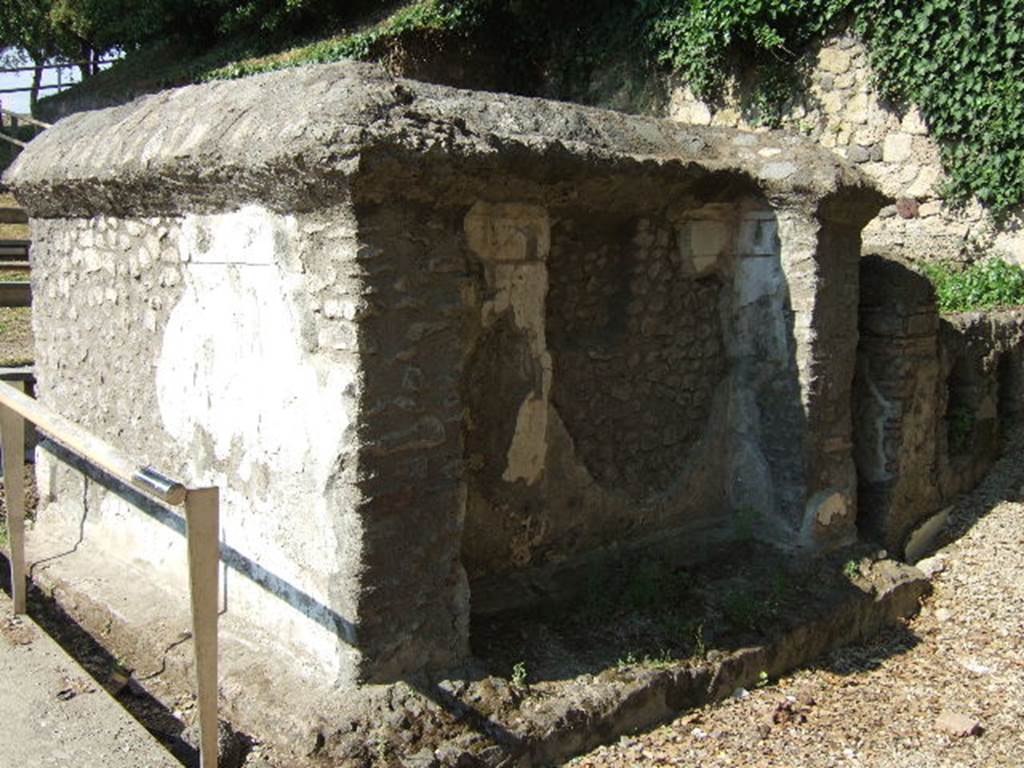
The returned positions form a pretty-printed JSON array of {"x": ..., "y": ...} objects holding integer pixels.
[
  {"x": 202, "y": 514},
  {"x": 12, "y": 439}
]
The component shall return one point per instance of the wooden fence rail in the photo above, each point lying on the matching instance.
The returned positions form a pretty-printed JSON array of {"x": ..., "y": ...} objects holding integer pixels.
[
  {"x": 65, "y": 65},
  {"x": 16, "y": 118},
  {"x": 202, "y": 521},
  {"x": 19, "y": 117}
]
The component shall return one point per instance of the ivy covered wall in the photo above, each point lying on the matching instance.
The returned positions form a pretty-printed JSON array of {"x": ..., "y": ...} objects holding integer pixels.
[{"x": 839, "y": 104}]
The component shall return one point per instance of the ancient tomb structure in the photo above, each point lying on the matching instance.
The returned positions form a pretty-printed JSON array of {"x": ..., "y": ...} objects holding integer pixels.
[{"x": 428, "y": 340}]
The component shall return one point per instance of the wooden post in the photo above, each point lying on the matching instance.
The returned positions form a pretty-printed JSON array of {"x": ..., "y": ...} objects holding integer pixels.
[
  {"x": 202, "y": 515},
  {"x": 12, "y": 438}
]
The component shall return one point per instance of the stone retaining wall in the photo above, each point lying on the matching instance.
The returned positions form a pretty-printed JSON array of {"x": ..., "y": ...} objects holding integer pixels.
[{"x": 839, "y": 106}]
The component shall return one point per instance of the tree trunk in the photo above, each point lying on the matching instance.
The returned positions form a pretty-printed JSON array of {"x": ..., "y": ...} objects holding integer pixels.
[
  {"x": 37, "y": 80},
  {"x": 86, "y": 64}
]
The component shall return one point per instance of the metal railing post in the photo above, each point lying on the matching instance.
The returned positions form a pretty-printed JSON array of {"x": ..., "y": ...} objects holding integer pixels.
[
  {"x": 12, "y": 440},
  {"x": 202, "y": 516}
]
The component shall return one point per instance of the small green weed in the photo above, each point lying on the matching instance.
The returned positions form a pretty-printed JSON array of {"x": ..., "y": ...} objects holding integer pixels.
[
  {"x": 519, "y": 679},
  {"x": 700, "y": 649},
  {"x": 851, "y": 569},
  {"x": 662, "y": 658},
  {"x": 988, "y": 284},
  {"x": 762, "y": 679},
  {"x": 629, "y": 660}
]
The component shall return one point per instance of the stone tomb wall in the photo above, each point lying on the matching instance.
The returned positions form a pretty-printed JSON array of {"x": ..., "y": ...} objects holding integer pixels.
[
  {"x": 613, "y": 376},
  {"x": 933, "y": 397},
  {"x": 637, "y": 375},
  {"x": 221, "y": 348},
  {"x": 443, "y": 339}
]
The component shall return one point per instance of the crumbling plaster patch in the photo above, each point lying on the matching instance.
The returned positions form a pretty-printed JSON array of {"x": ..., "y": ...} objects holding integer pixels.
[
  {"x": 528, "y": 451},
  {"x": 238, "y": 376},
  {"x": 824, "y": 509},
  {"x": 513, "y": 241},
  {"x": 231, "y": 336}
]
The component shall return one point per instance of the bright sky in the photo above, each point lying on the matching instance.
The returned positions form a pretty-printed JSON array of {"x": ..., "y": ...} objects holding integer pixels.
[{"x": 18, "y": 102}]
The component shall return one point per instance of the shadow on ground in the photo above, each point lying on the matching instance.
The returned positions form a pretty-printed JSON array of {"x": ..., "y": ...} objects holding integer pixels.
[{"x": 649, "y": 611}]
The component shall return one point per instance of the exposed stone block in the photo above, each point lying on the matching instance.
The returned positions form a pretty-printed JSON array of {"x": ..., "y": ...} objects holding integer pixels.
[
  {"x": 857, "y": 109},
  {"x": 924, "y": 183},
  {"x": 845, "y": 81},
  {"x": 913, "y": 123},
  {"x": 897, "y": 147},
  {"x": 858, "y": 154},
  {"x": 834, "y": 60}
]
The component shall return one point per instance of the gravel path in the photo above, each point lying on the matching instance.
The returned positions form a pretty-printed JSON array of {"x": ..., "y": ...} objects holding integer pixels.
[{"x": 880, "y": 704}]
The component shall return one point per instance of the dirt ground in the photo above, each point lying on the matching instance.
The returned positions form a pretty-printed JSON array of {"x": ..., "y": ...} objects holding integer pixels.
[
  {"x": 55, "y": 716},
  {"x": 16, "y": 340},
  {"x": 904, "y": 700}
]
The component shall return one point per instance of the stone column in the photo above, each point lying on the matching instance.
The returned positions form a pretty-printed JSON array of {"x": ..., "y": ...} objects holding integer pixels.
[{"x": 413, "y": 613}]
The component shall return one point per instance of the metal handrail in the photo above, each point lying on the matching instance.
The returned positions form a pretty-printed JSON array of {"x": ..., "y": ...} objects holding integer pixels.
[{"x": 202, "y": 521}]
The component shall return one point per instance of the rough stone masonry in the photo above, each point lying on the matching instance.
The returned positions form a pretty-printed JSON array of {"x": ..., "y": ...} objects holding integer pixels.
[{"x": 426, "y": 340}]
